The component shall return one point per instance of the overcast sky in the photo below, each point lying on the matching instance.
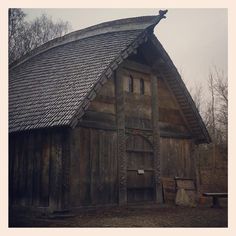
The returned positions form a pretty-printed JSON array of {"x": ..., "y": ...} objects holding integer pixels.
[{"x": 195, "y": 39}]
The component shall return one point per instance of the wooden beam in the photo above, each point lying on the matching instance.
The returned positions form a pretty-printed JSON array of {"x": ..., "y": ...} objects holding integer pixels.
[
  {"x": 132, "y": 65},
  {"x": 139, "y": 150},
  {"x": 156, "y": 140},
  {"x": 121, "y": 146},
  {"x": 164, "y": 134},
  {"x": 97, "y": 125},
  {"x": 100, "y": 117}
]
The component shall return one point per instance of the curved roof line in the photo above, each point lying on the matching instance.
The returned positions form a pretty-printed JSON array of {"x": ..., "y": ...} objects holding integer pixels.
[
  {"x": 139, "y": 30},
  {"x": 127, "y": 24}
]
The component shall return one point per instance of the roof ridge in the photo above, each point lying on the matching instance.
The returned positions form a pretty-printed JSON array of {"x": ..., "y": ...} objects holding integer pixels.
[{"x": 132, "y": 23}]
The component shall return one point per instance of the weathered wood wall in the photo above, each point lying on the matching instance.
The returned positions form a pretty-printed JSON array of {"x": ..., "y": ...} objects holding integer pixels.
[
  {"x": 38, "y": 168},
  {"x": 170, "y": 116},
  {"x": 94, "y": 171},
  {"x": 112, "y": 155},
  {"x": 101, "y": 114},
  {"x": 94, "y": 176},
  {"x": 177, "y": 158}
]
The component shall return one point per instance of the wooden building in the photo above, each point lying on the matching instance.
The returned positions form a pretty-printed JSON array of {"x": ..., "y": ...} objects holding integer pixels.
[{"x": 97, "y": 117}]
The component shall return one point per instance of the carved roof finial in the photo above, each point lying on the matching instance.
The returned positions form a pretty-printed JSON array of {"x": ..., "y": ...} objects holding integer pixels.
[
  {"x": 158, "y": 18},
  {"x": 162, "y": 13}
]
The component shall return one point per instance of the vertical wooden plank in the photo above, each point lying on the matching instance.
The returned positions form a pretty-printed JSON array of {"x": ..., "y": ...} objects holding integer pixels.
[
  {"x": 187, "y": 165},
  {"x": 21, "y": 180},
  {"x": 91, "y": 166},
  {"x": 12, "y": 162},
  {"x": 75, "y": 153},
  {"x": 36, "y": 168},
  {"x": 55, "y": 172},
  {"x": 196, "y": 165},
  {"x": 25, "y": 168},
  {"x": 102, "y": 172},
  {"x": 156, "y": 139},
  {"x": 84, "y": 167},
  {"x": 114, "y": 169},
  {"x": 30, "y": 168},
  {"x": 66, "y": 140},
  {"x": 121, "y": 148},
  {"x": 108, "y": 165},
  {"x": 44, "y": 180},
  {"x": 105, "y": 162},
  {"x": 16, "y": 170},
  {"x": 19, "y": 169},
  {"x": 94, "y": 167}
]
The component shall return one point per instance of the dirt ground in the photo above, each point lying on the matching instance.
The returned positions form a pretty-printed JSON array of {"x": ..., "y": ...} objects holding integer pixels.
[{"x": 132, "y": 216}]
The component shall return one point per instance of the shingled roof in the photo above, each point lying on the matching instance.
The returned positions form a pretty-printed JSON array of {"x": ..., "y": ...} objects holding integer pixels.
[{"x": 54, "y": 84}]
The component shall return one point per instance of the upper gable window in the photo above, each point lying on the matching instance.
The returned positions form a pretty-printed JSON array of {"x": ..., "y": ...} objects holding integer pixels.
[
  {"x": 142, "y": 89},
  {"x": 131, "y": 84}
]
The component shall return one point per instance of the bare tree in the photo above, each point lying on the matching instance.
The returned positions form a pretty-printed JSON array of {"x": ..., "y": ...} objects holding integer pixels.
[
  {"x": 16, "y": 30},
  {"x": 198, "y": 96},
  {"x": 211, "y": 86},
  {"x": 25, "y": 36},
  {"x": 217, "y": 109},
  {"x": 43, "y": 29},
  {"x": 221, "y": 90}
]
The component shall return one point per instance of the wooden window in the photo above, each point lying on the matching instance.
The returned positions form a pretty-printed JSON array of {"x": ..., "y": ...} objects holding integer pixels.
[
  {"x": 142, "y": 86},
  {"x": 131, "y": 84}
]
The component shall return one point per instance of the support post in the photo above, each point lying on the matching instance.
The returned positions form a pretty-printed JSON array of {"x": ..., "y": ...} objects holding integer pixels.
[
  {"x": 121, "y": 149},
  {"x": 156, "y": 140}
]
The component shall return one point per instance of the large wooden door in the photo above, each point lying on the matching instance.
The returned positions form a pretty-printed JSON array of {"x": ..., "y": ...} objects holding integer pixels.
[{"x": 140, "y": 173}]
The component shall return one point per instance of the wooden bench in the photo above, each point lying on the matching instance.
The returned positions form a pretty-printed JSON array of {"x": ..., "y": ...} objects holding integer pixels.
[{"x": 215, "y": 198}]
